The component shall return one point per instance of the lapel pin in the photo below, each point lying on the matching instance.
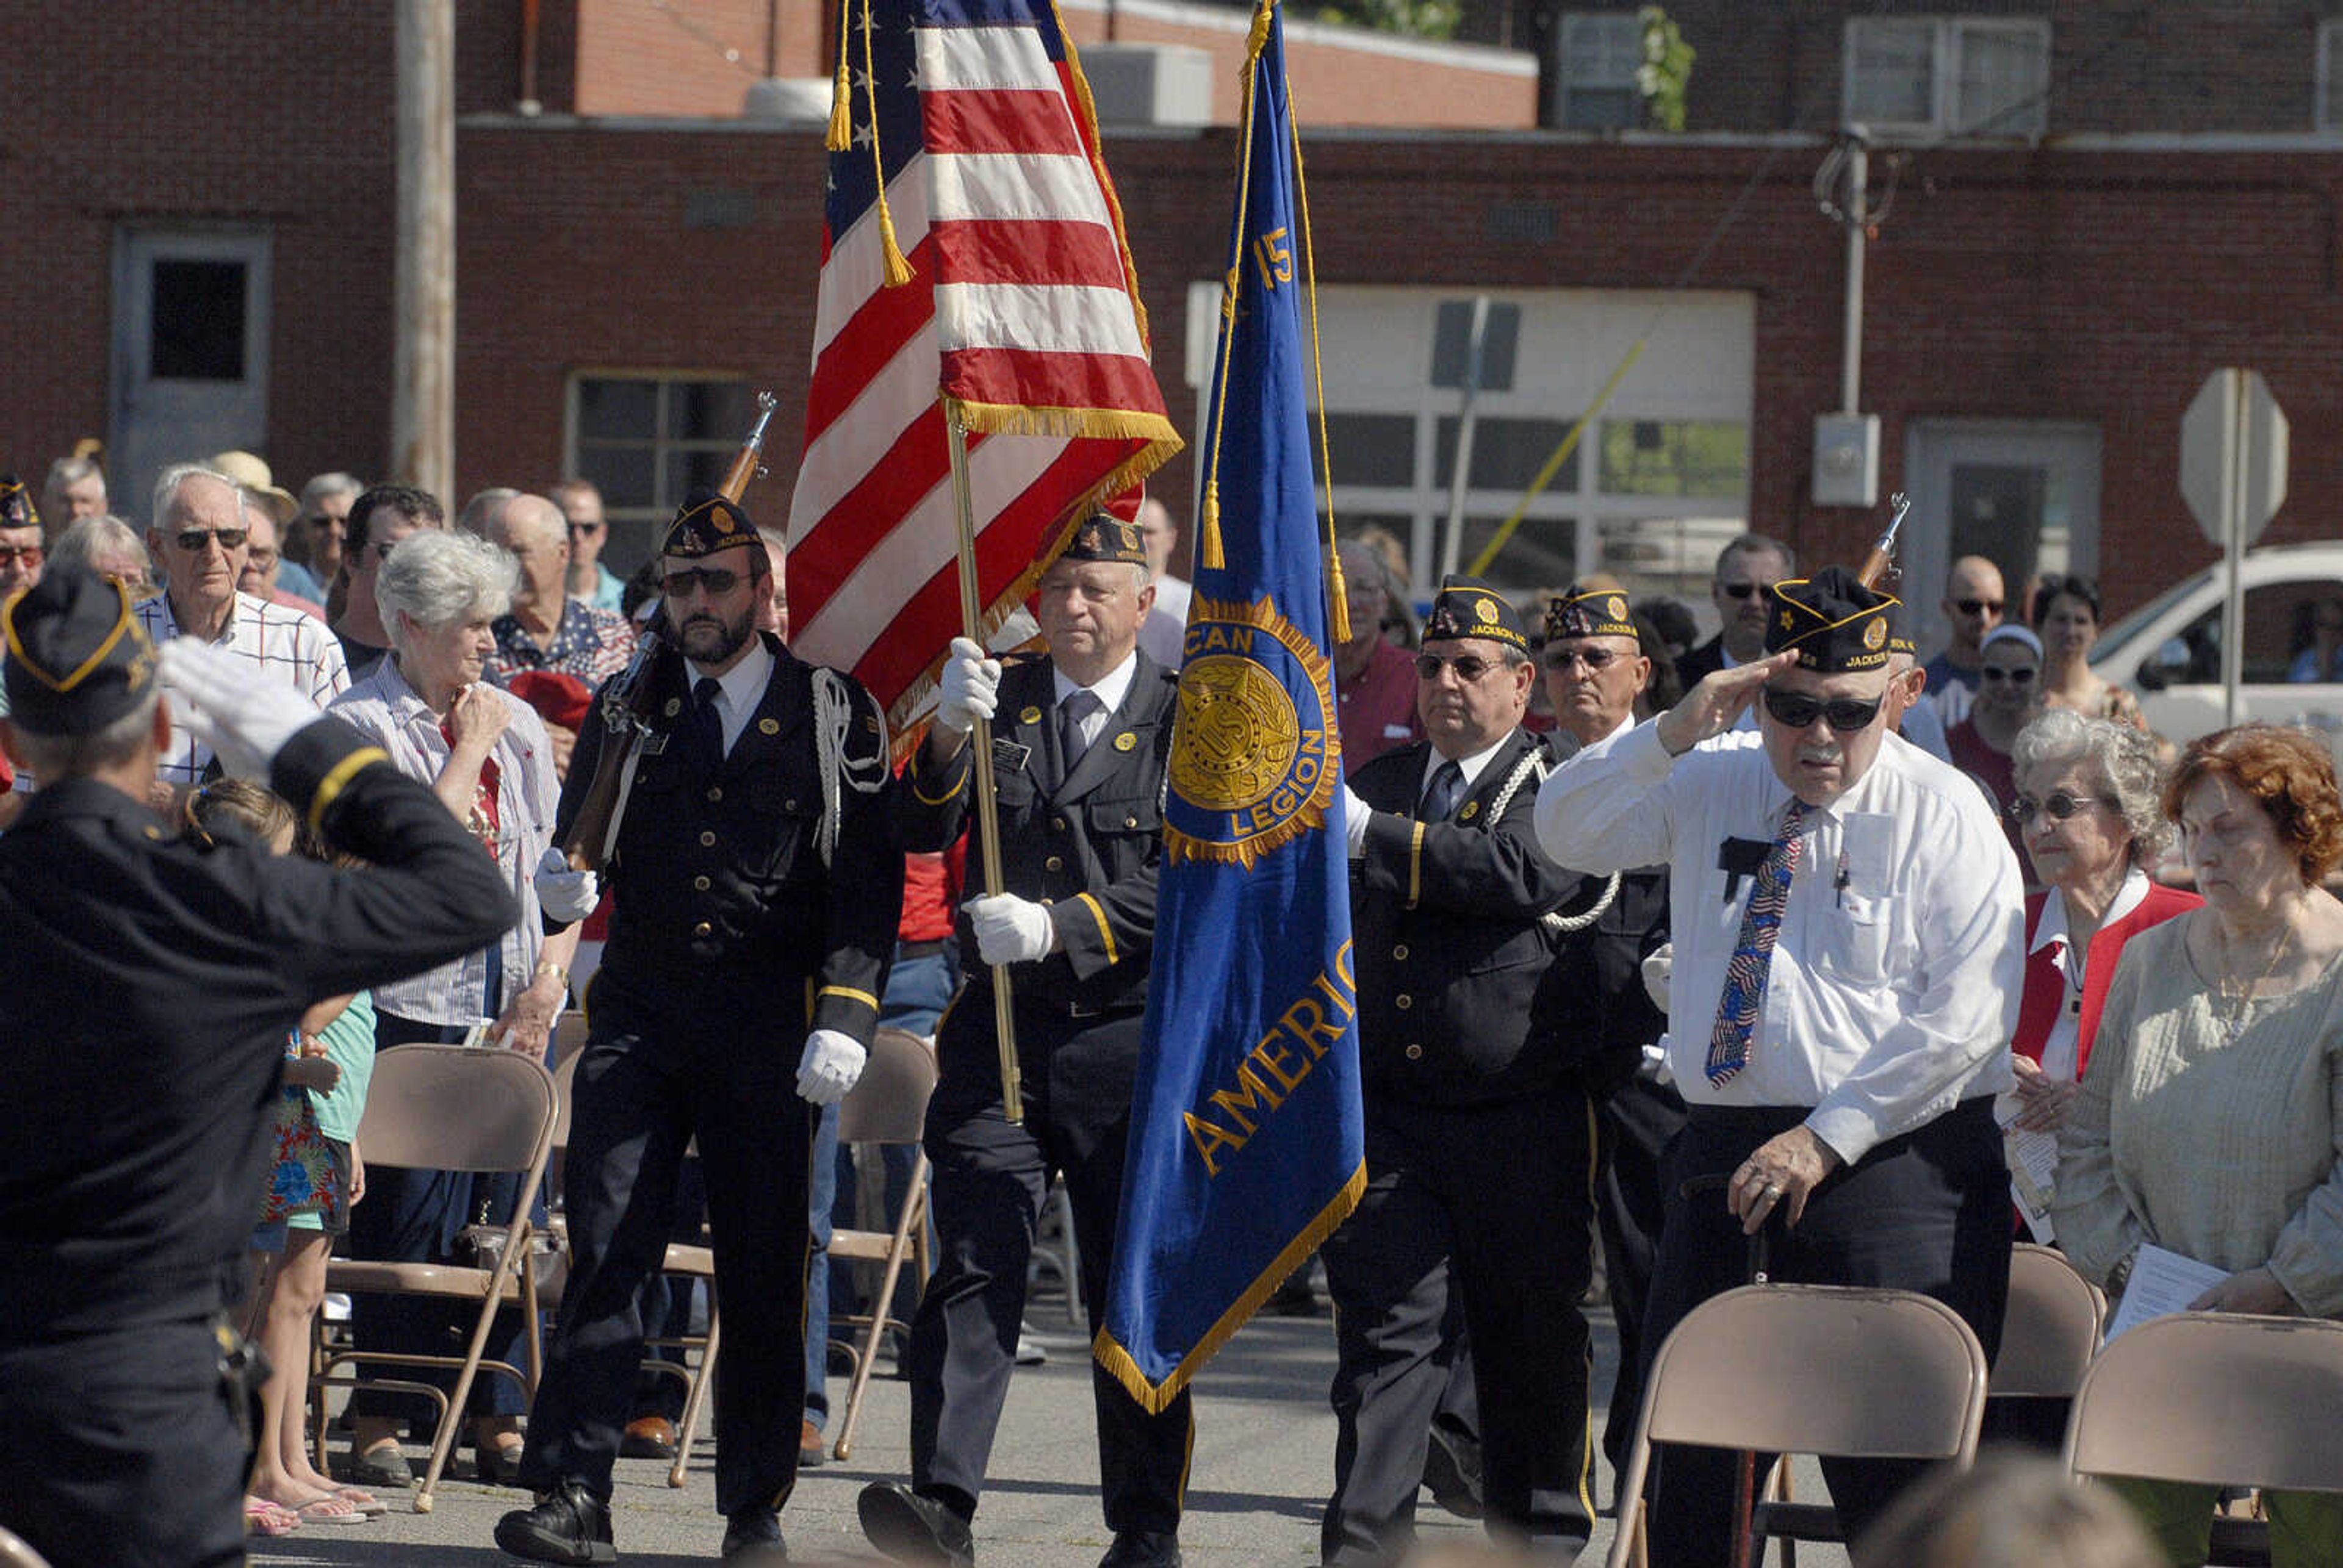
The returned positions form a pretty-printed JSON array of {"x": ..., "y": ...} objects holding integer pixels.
[
  {"x": 1125, "y": 741},
  {"x": 1031, "y": 716}
]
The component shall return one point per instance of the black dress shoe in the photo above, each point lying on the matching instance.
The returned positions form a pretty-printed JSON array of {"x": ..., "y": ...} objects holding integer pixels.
[
  {"x": 569, "y": 1525},
  {"x": 911, "y": 1528},
  {"x": 753, "y": 1538},
  {"x": 1142, "y": 1549}
]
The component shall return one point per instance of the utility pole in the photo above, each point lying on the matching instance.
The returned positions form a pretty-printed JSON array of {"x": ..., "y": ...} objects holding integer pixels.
[{"x": 423, "y": 394}]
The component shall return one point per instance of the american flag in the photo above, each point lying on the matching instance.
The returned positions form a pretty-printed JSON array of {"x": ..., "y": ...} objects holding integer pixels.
[{"x": 1023, "y": 308}]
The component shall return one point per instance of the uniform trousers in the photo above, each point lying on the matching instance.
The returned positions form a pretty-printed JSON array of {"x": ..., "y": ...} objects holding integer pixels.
[
  {"x": 1495, "y": 1198},
  {"x": 991, "y": 1180},
  {"x": 1633, "y": 1129},
  {"x": 647, "y": 1084},
  {"x": 123, "y": 1449},
  {"x": 1925, "y": 1212}
]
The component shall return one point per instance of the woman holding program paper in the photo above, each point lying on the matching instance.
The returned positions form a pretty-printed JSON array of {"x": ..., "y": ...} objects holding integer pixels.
[{"x": 2208, "y": 1121}]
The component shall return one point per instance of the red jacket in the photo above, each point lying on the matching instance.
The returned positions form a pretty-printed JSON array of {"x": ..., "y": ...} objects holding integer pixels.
[{"x": 2046, "y": 985}]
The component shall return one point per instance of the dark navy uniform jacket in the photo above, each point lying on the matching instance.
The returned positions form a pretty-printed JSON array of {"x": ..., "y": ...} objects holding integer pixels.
[
  {"x": 722, "y": 890},
  {"x": 1464, "y": 997},
  {"x": 1090, "y": 844},
  {"x": 147, "y": 989}
]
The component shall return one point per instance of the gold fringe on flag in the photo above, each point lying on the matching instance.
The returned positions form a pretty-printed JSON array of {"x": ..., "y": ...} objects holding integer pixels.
[{"x": 897, "y": 270}]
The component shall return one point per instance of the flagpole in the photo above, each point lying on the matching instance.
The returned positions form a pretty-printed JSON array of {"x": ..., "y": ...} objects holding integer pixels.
[{"x": 972, "y": 612}]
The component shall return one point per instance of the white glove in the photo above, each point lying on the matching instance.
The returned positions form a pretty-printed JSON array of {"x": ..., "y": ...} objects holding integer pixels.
[
  {"x": 970, "y": 689},
  {"x": 567, "y": 896},
  {"x": 1010, "y": 930},
  {"x": 831, "y": 1063},
  {"x": 1659, "y": 969},
  {"x": 1355, "y": 812},
  {"x": 245, "y": 721}
]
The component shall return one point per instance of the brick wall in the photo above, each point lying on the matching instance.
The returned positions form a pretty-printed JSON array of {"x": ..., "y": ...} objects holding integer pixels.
[{"x": 692, "y": 57}]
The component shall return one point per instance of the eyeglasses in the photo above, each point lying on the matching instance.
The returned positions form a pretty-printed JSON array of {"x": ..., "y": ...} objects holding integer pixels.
[
  {"x": 1978, "y": 606},
  {"x": 2059, "y": 804},
  {"x": 577, "y": 528},
  {"x": 1595, "y": 658},
  {"x": 23, "y": 555},
  {"x": 322, "y": 523},
  {"x": 1741, "y": 590},
  {"x": 1469, "y": 667},
  {"x": 261, "y": 561},
  {"x": 716, "y": 581},
  {"x": 194, "y": 540},
  {"x": 2023, "y": 675},
  {"x": 1797, "y": 710}
]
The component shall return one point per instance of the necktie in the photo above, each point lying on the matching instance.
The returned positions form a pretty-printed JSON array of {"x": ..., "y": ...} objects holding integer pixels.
[
  {"x": 1440, "y": 796},
  {"x": 1076, "y": 707},
  {"x": 707, "y": 724},
  {"x": 1744, "y": 976}
]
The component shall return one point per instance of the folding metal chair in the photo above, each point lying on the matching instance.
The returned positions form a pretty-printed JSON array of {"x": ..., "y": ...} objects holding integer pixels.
[
  {"x": 1809, "y": 1369},
  {"x": 454, "y": 1108},
  {"x": 889, "y": 1104},
  {"x": 2220, "y": 1399}
]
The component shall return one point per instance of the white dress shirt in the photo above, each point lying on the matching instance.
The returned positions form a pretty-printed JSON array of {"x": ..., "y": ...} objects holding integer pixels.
[
  {"x": 1893, "y": 988},
  {"x": 279, "y": 644},
  {"x": 740, "y": 688},
  {"x": 1165, "y": 630},
  {"x": 1111, "y": 689},
  {"x": 2050, "y": 931},
  {"x": 1470, "y": 766}
]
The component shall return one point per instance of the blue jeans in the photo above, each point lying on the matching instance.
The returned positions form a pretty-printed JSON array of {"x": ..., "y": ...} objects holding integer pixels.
[{"x": 821, "y": 1190}]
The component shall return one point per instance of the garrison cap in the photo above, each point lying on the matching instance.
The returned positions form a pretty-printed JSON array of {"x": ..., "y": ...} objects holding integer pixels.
[
  {"x": 16, "y": 509},
  {"x": 1467, "y": 607},
  {"x": 1104, "y": 537},
  {"x": 77, "y": 657},
  {"x": 1832, "y": 621},
  {"x": 1588, "y": 612},
  {"x": 704, "y": 524}
]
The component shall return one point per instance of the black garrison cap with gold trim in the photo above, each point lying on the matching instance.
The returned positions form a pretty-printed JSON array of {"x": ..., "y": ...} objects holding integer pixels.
[
  {"x": 77, "y": 657},
  {"x": 1588, "y": 612},
  {"x": 1832, "y": 621},
  {"x": 16, "y": 509},
  {"x": 1104, "y": 537},
  {"x": 1467, "y": 607},
  {"x": 704, "y": 524}
]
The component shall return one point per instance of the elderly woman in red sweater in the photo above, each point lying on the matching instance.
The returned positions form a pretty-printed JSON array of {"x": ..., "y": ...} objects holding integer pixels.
[{"x": 2088, "y": 816}]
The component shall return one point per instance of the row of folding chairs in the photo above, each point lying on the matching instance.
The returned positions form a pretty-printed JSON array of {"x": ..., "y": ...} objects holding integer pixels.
[
  {"x": 2213, "y": 1399},
  {"x": 455, "y": 1108}
]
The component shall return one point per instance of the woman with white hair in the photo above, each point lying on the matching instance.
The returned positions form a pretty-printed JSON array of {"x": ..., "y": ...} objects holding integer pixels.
[{"x": 484, "y": 753}]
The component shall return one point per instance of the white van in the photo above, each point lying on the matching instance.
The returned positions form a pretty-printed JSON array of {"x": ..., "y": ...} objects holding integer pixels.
[{"x": 2169, "y": 652}]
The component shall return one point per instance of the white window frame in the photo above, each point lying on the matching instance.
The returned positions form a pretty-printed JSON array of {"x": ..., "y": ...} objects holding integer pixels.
[
  {"x": 1565, "y": 76},
  {"x": 1947, "y": 36},
  {"x": 2326, "y": 115}
]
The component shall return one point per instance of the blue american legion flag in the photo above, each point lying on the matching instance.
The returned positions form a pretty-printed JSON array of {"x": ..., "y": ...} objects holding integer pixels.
[
  {"x": 973, "y": 259},
  {"x": 1247, "y": 1146}
]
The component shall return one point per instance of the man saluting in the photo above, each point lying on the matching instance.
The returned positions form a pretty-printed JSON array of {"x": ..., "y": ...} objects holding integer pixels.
[{"x": 1848, "y": 928}]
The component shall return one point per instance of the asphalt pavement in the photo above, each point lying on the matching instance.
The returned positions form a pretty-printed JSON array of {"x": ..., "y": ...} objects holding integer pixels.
[{"x": 1263, "y": 1463}]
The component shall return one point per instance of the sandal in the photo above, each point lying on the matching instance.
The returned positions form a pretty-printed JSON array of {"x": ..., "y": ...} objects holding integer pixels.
[
  {"x": 359, "y": 1498},
  {"x": 329, "y": 1510},
  {"x": 262, "y": 1517}
]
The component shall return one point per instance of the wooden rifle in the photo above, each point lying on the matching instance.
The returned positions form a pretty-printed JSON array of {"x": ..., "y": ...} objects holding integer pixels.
[
  {"x": 628, "y": 700},
  {"x": 1881, "y": 561}
]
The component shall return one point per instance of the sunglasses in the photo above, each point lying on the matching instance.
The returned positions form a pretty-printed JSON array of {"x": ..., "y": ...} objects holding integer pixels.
[
  {"x": 2059, "y": 804},
  {"x": 1469, "y": 667},
  {"x": 2021, "y": 676},
  {"x": 1597, "y": 658},
  {"x": 322, "y": 523},
  {"x": 716, "y": 581},
  {"x": 1741, "y": 590},
  {"x": 1797, "y": 710},
  {"x": 577, "y": 529},
  {"x": 1978, "y": 606},
  {"x": 28, "y": 554},
  {"x": 194, "y": 540}
]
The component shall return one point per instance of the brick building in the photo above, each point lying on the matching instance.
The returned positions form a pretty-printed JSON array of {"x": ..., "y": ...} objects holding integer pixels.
[{"x": 202, "y": 198}]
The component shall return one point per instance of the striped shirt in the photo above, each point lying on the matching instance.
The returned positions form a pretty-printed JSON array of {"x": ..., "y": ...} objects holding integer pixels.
[{"x": 282, "y": 644}]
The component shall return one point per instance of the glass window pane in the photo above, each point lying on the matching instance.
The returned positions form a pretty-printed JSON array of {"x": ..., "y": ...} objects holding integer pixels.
[
  {"x": 1507, "y": 454},
  {"x": 1673, "y": 556},
  {"x": 690, "y": 468},
  {"x": 1893, "y": 79},
  {"x": 1541, "y": 553},
  {"x": 617, "y": 410},
  {"x": 623, "y": 474},
  {"x": 1601, "y": 109},
  {"x": 710, "y": 410},
  {"x": 1675, "y": 458},
  {"x": 1600, "y": 50},
  {"x": 197, "y": 331},
  {"x": 2003, "y": 77},
  {"x": 1376, "y": 449}
]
